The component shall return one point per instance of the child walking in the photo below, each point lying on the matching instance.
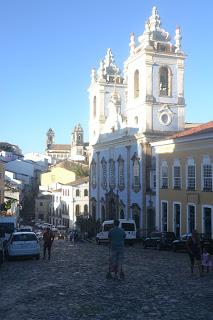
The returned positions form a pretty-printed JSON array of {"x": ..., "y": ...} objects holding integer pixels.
[{"x": 206, "y": 260}]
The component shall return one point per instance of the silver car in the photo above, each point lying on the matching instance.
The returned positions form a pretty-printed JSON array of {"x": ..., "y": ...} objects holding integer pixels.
[{"x": 22, "y": 244}]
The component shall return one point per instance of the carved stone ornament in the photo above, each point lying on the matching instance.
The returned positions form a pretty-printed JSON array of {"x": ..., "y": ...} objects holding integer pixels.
[{"x": 165, "y": 115}]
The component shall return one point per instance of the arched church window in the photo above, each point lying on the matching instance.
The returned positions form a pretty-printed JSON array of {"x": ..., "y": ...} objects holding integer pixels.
[
  {"x": 111, "y": 174},
  {"x": 136, "y": 84},
  {"x": 122, "y": 215},
  {"x": 165, "y": 81},
  {"x": 136, "y": 173},
  {"x": 121, "y": 183},
  {"x": 85, "y": 192},
  {"x": 77, "y": 193},
  {"x": 94, "y": 106},
  {"x": 93, "y": 173},
  {"x": 103, "y": 213},
  {"x": 104, "y": 174},
  {"x": 136, "y": 120}
]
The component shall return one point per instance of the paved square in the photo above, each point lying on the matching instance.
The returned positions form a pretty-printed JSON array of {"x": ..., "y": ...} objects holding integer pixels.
[{"x": 73, "y": 285}]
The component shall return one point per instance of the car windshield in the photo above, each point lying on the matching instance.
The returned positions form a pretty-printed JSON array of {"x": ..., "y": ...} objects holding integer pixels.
[
  {"x": 108, "y": 226},
  {"x": 24, "y": 237},
  {"x": 128, "y": 226}
]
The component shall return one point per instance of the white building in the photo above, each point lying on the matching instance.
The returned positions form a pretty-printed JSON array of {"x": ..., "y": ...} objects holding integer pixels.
[
  {"x": 41, "y": 161},
  {"x": 127, "y": 113},
  {"x": 70, "y": 202}
]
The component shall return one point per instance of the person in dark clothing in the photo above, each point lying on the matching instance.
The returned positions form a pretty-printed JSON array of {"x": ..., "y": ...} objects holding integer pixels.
[
  {"x": 116, "y": 238},
  {"x": 194, "y": 250},
  {"x": 48, "y": 238}
]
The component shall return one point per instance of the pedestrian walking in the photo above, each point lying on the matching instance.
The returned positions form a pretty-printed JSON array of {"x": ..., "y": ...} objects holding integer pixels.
[
  {"x": 194, "y": 250},
  {"x": 48, "y": 238},
  {"x": 206, "y": 260},
  {"x": 116, "y": 239}
]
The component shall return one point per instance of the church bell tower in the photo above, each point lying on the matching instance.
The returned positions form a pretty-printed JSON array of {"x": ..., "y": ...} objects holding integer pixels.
[
  {"x": 101, "y": 89},
  {"x": 50, "y": 138},
  {"x": 154, "y": 72}
]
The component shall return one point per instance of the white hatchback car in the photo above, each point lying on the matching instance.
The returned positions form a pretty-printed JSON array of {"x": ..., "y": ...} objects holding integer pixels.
[{"x": 23, "y": 244}]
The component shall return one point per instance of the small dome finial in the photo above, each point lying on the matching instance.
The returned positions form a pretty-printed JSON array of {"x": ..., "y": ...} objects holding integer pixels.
[{"x": 154, "y": 20}]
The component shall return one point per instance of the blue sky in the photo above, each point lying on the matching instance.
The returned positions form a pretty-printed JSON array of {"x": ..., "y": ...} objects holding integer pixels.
[{"x": 48, "y": 48}]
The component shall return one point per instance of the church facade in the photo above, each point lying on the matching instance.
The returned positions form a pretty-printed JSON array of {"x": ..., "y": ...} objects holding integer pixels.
[
  {"x": 75, "y": 151},
  {"x": 128, "y": 111}
]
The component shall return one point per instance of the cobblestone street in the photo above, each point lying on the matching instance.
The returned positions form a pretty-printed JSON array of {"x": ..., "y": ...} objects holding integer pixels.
[{"x": 73, "y": 285}]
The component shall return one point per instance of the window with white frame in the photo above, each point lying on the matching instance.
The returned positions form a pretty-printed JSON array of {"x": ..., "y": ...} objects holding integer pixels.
[
  {"x": 164, "y": 214},
  {"x": 191, "y": 175},
  {"x": 153, "y": 179},
  {"x": 111, "y": 174},
  {"x": 191, "y": 218},
  {"x": 177, "y": 219},
  {"x": 121, "y": 183},
  {"x": 206, "y": 174},
  {"x": 164, "y": 175},
  {"x": 207, "y": 177},
  {"x": 176, "y": 175},
  {"x": 104, "y": 174}
]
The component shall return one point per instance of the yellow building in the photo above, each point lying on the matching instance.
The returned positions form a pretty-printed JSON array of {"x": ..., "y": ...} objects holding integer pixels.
[
  {"x": 57, "y": 175},
  {"x": 62, "y": 173},
  {"x": 2, "y": 183},
  {"x": 184, "y": 188}
]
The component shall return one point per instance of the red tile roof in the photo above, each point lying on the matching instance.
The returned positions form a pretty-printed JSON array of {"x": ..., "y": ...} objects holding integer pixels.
[
  {"x": 60, "y": 147},
  {"x": 203, "y": 128},
  {"x": 78, "y": 181}
]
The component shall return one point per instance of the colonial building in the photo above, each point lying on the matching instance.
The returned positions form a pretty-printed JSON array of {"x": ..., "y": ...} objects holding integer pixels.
[
  {"x": 76, "y": 151},
  {"x": 42, "y": 207},
  {"x": 127, "y": 112},
  {"x": 184, "y": 181},
  {"x": 69, "y": 202},
  {"x": 62, "y": 173}
]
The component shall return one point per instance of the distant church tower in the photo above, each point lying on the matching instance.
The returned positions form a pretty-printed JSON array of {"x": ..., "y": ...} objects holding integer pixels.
[
  {"x": 154, "y": 73},
  {"x": 50, "y": 138},
  {"x": 77, "y": 143}
]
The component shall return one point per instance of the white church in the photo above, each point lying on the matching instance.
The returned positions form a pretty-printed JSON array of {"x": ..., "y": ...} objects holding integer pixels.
[{"x": 128, "y": 111}]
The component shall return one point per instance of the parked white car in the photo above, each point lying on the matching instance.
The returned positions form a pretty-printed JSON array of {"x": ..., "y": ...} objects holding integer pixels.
[
  {"x": 23, "y": 244},
  {"x": 128, "y": 226}
]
